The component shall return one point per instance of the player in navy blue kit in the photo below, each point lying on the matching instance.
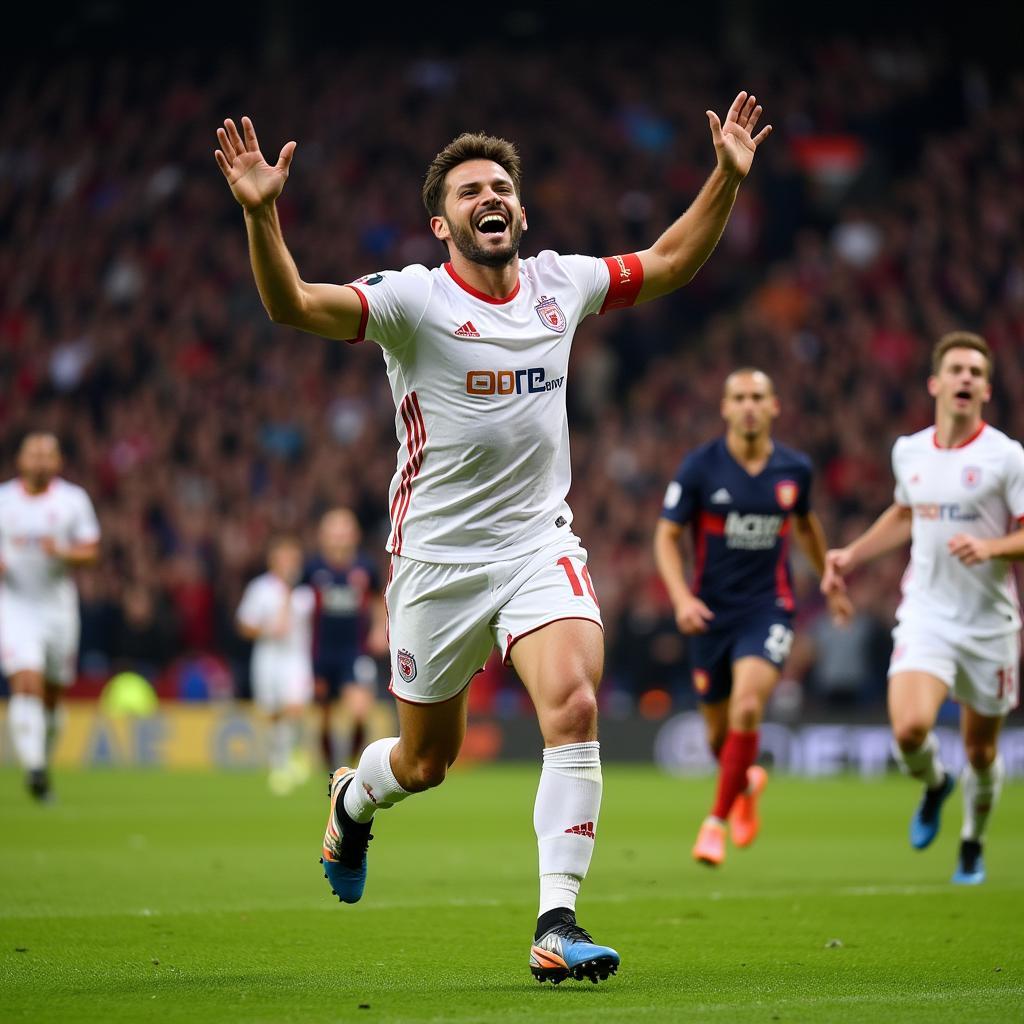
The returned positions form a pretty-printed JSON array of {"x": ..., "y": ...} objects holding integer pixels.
[
  {"x": 743, "y": 495},
  {"x": 348, "y": 628}
]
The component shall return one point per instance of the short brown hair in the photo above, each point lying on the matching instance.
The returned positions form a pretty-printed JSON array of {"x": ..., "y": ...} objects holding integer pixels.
[
  {"x": 961, "y": 339},
  {"x": 468, "y": 146},
  {"x": 747, "y": 371}
]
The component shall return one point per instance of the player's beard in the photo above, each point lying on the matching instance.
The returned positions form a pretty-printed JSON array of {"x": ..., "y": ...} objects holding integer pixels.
[{"x": 464, "y": 239}]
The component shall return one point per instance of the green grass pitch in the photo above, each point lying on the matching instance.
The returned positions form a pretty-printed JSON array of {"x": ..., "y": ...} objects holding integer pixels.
[{"x": 172, "y": 897}]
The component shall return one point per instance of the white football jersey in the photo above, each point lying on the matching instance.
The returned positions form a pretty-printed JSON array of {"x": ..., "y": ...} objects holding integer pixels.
[
  {"x": 977, "y": 489},
  {"x": 261, "y": 606},
  {"x": 62, "y": 513},
  {"x": 479, "y": 388}
]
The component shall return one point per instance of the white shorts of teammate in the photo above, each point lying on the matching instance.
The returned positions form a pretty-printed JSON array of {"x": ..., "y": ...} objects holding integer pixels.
[
  {"x": 980, "y": 672},
  {"x": 444, "y": 620},
  {"x": 35, "y": 638},
  {"x": 281, "y": 680}
]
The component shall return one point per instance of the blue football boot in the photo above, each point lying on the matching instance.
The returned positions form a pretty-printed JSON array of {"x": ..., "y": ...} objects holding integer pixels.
[
  {"x": 970, "y": 865},
  {"x": 924, "y": 825},
  {"x": 345, "y": 842},
  {"x": 566, "y": 950}
]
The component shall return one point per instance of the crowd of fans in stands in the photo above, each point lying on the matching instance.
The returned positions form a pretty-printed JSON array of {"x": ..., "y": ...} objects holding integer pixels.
[{"x": 886, "y": 209}]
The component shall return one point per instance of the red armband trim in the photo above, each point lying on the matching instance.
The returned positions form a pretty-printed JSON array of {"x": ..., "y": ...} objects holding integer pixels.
[
  {"x": 625, "y": 279},
  {"x": 363, "y": 320}
]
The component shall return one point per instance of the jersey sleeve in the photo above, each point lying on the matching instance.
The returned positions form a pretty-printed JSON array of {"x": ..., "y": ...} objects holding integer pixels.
[
  {"x": 252, "y": 611},
  {"x": 1015, "y": 482},
  {"x": 85, "y": 527},
  {"x": 604, "y": 284},
  {"x": 393, "y": 302},
  {"x": 803, "y": 500},
  {"x": 901, "y": 496},
  {"x": 682, "y": 496}
]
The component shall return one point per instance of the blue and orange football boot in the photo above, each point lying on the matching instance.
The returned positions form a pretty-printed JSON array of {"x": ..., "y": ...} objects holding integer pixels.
[
  {"x": 345, "y": 843},
  {"x": 970, "y": 865},
  {"x": 567, "y": 951}
]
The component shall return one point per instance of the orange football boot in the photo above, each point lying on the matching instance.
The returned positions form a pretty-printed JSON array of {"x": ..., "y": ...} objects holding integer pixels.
[
  {"x": 744, "y": 822},
  {"x": 710, "y": 846}
]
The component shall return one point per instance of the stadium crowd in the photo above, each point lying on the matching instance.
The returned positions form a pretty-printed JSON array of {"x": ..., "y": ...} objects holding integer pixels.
[{"x": 888, "y": 208}]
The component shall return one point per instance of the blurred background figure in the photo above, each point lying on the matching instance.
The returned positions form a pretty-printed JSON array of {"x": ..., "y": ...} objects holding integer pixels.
[
  {"x": 276, "y": 614},
  {"x": 47, "y": 528},
  {"x": 349, "y": 631}
]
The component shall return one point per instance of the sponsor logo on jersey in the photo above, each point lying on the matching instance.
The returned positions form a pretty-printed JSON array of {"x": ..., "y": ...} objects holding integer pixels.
[
  {"x": 786, "y": 493},
  {"x": 701, "y": 681},
  {"x": 951, "y": 512},
  {"x": 560, "y": 522},
  {"x": 752, "y": 532},
  {"x": 551, "y": 314},
  {"x": 971, "y": 476},
  {"x": 721, "y": 497},
  {"x": 531, "y": 381},
  {"x": 371, "y": 279},
  {"x": 585, "y": 828},
  {"x": 467, "y": 330},
  {"x": 406, "y": 666}
]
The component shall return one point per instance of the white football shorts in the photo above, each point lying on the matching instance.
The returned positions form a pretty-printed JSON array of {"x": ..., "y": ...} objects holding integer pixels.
[
  {"x": 38, "y": 638},
  {"x": 983, "y": 673},
  {"x": 281, "y": 680},
  {"x": 444, "y": 620}
]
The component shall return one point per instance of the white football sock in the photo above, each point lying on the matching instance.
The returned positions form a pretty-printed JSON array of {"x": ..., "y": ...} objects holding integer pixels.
[
  {"x": 375, "y": 786},
  {"x": 28, "y": 730},
  {"x": 565, "y": 820},
  {"x": 981, "y": 791},
  {"x": 923, "y": 763}
]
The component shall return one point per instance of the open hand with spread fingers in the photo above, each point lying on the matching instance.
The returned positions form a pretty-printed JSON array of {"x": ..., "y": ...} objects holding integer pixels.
[
  {"x": 734, "y": 141},
  {"x": 253, "y": 181}
]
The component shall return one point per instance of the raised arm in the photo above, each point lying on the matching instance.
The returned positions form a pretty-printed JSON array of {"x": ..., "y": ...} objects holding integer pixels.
[
  {"x": 680, "y": 252},
  {"x": 891, "y": 530},
  {"x": 810, "y": 535},
  {"x": 330, "y": 310}
]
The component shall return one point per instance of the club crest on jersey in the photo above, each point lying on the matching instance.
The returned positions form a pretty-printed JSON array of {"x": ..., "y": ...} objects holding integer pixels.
[
  {"x": 701, "y": 681},
  {"x": 971, "y": 476},
  {"x": 551, "y": 314},
  {"x": 786, "y": 492},
  {"x": 406, "y": 666},
  {"x": 370, "y": 279}
]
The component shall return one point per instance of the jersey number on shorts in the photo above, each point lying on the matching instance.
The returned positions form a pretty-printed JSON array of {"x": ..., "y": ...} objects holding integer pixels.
[
  {"x": 574, "y": 581},
  {"x": 779, "y": 641},
  {"x": 1007, "y": 683}
]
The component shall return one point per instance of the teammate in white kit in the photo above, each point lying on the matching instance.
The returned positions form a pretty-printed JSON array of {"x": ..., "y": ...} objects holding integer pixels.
[
  {"x": 483, "y": 553},
  {"x": 47, "y": 527},
  {"x": 960, "y": 502},
  {"x": 277, "y": 616}
]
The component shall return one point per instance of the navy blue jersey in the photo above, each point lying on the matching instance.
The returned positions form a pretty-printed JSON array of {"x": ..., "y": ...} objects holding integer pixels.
[
  {"x": 740, "y": 526},
  {"x": 343, "y": 597}
]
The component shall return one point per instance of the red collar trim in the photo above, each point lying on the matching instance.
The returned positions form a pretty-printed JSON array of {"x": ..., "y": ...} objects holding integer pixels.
[
  {"x": 478, "y": 294},
  {"x": 962, "y": 444}
]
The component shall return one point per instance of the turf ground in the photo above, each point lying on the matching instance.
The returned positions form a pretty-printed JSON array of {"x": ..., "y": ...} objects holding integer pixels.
[{"x": 172, "y": 897}]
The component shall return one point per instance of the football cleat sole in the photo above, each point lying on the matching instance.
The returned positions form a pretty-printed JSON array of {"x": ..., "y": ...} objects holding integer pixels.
[{"x": 598, "y": 969}]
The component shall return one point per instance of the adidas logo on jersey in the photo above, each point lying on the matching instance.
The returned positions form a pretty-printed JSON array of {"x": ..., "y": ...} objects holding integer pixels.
[
  {"x": 586, "y": 828},
  {"x": 467, "y": 330},
  {"x": 721, "y": 497}
]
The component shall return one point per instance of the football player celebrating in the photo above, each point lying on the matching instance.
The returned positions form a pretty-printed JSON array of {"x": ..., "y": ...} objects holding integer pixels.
[
  {"x": 482, "y": 550},
  {"x": 959, "y": 486}
]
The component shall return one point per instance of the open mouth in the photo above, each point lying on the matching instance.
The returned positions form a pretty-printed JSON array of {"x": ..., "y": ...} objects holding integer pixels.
[
  {"x": 491, "y": 224},
  {"x": 964, "y": 395}
]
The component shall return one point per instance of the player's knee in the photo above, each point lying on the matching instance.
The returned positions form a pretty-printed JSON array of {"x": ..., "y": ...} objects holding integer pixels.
[
  {"x": 745, "y": 713},
  {"x": 910, "y": 733},
  {"x": 575, "y": 719},
  {"x": 980, "y": 755}
]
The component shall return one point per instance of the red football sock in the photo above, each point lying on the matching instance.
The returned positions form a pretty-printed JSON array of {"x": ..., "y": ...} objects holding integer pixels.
[{"x": 737, "y": 756}]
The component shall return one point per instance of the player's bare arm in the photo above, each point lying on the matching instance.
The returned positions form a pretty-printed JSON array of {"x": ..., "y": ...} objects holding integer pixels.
[
  {"x": 681, "y": 251},
  {"x": 692, "y": 614},
  {"x": 976, "y": 550},
  {"x": 74, "y": 555},
  {"x": 891, "y": 530},
  {"x": 329, "y": 310},
  {"x": 810, "y": 535}
]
